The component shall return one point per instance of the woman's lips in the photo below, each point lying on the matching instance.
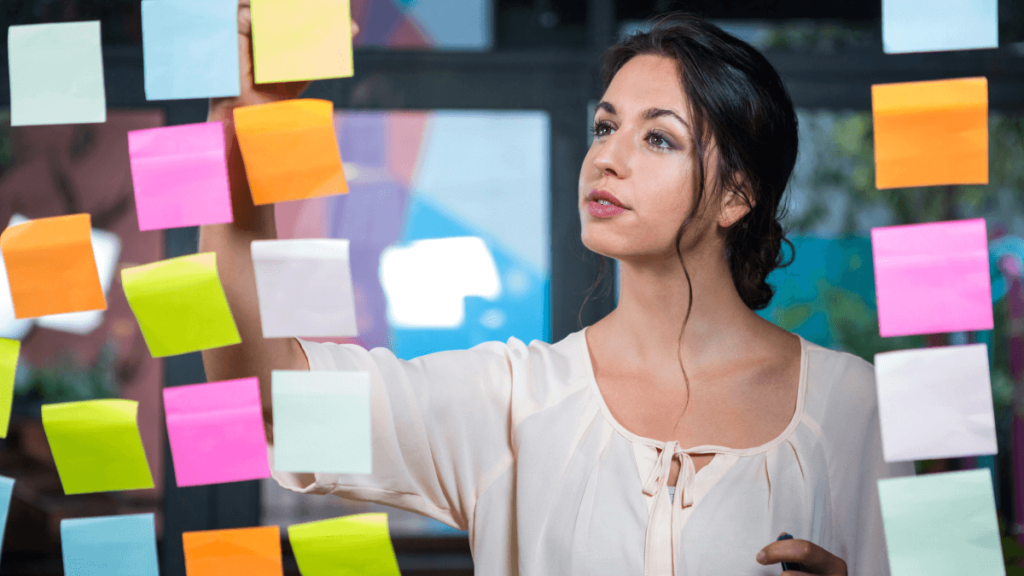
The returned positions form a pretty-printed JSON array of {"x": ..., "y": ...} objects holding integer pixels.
[{"x": 600, "y": 210}]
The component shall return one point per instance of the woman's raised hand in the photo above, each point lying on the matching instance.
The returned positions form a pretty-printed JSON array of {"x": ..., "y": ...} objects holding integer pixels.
[{"x": 252, "y": 93}]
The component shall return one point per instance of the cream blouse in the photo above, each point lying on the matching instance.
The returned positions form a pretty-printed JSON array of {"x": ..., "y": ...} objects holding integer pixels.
[{"x": 515, "y": 444}]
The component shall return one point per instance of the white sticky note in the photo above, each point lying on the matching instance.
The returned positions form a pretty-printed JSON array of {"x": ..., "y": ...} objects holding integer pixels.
[
  {"x": 938, "y": 25},
  {"x": 106, "y": 249},
  {"x": 935, "y": 403},
  {"x": 322, "y": 421},
  {"x": 304, "y": 288},
  {"x": 56, "y": 74}
]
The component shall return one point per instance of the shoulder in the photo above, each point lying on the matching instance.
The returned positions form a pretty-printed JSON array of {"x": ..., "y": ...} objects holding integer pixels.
[{"x": 838, "y": 385}]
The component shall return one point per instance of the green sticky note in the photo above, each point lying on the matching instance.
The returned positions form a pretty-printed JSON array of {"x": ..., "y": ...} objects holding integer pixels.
[
  {"x": 8, "y": 367},
  {"x": 56, "y": 74},
  {"x": 334, "y": 408},
  {"x": 942, "y": 524},
  {"x": 96, "y": 446},
  {"x": 357, "y": 545},
  {"x": 180, "y": 305}
]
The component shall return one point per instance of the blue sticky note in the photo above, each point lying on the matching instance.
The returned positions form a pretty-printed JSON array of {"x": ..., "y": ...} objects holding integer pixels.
[
  {"x": 938, "y": 25},
  {"x": 321, "y": 421},
  {"x": 6, "y": 489},
  {"x": 110, "y": 546},
  {"x": 190, "y": 48},
  {"x": 56, "y": 74},
  {"x": 942, "y": 524}
]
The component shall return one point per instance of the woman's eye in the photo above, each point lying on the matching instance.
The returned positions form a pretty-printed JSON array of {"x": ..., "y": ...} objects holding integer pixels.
[
  {"x": 602, "y": 129},
  {"x": 658, "y": 141}
]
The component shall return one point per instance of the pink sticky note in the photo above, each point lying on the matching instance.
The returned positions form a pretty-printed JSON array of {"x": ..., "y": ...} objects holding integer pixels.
[
  {"x": 216, "y": 432},
  {"x": 932, "y": 278},
  {"x": 180, "y": 176}
]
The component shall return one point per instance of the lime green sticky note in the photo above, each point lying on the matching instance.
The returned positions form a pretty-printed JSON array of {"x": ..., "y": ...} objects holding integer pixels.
[
  {"x": 942, "y": 524},
  {"x": 180, "y": 305},
  {"x": 356, "y": 545},
  {"x": 301, "y": 40},
  {"x": 8, "y": 366},
  {"x": 96, "y": 445}
]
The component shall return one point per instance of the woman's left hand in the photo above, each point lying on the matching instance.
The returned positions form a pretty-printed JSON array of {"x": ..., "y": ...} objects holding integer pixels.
[{"x": 813, "y": 559}]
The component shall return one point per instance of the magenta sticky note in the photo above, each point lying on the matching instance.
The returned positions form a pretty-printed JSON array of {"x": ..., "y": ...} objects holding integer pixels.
[
  {"x": 216, "y": 432},
  {"x": 180, "y": 175},
  {"x": 932, "y": 278}
]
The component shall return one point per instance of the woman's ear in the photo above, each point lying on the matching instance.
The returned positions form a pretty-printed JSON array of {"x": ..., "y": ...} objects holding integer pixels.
[{"x": 736, "y": 203}]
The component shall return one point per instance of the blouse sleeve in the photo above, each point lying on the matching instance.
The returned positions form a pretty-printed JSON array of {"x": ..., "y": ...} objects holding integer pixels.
[
  {"x": 440, "y": 425},
  {"x": 856, "y": 465}
]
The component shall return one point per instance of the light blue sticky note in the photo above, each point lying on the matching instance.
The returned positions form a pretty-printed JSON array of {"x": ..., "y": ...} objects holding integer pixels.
[
  {"x": 6, "y": 489},
  {"x": 942, "y": 524},
  {"x": 937, "y": 25},
  {"x": 56, "y": 74},
  {"x": 109, "y": 546},
  {"x": 322, "y": 421},
  {"x": 190, "y": 48}
]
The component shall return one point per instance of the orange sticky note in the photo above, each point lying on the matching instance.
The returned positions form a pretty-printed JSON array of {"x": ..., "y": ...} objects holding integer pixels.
[
  {"x": 249, "y": 551},
  {"x": 290, "y": 150},
  {"x": 51, "y": 268},
  {"x": 931, "y": 133}
]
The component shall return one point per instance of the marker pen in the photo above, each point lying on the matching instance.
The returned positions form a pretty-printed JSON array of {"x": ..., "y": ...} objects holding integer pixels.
[{"x": 789, "y": 565}]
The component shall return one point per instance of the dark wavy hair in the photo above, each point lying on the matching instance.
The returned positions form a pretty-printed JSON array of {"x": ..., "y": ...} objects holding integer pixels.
[{"x": 738, "y": 100}]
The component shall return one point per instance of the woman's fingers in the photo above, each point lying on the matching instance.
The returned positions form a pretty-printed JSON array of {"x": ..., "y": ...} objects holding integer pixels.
[{"x": 813, "y": 559}]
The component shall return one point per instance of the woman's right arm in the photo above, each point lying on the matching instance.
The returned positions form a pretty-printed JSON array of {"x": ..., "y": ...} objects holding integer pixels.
[{"x": 256, "y": 355}]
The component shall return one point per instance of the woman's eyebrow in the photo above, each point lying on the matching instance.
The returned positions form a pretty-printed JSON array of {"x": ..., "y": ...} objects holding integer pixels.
[
  {"x": 652, "y": 113},
  {"x": 606, "y": 106}
]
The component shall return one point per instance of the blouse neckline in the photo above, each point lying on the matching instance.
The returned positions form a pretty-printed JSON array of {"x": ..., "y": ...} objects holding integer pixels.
[{"x": 584, "y": 350}]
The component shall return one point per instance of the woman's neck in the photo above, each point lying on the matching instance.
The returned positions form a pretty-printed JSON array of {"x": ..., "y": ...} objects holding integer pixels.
[{"x": 653, "y": 299}]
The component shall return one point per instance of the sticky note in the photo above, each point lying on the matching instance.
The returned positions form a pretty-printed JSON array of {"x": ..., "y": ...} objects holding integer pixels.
[
  {"x": 56, "y": 74},
  {"x": 96, "y": 445},
  {"x": 109, "y": 546},
  {"x": 249, "y": 551},
  {"x": 932, "y": 278},
  {"x": 321, "y": 421},
  {"x": 180, "y": 305},
  {"x": 9, "y": 350},
  {"x": 290, "y": 150},
  {"x": 942, "y": 524},
  {"x": 180, "y": 174},
  {"x": 356, "y": 545},
  {"x": 216, "y": 432},
  {"x": 301, "y": 40},
  {"x": 304, "y": 288},
  {"x": 931, "y": 133},
  {"x": 935, "y": 403},
  {"x": 6, "y": 491},
  {"x": 51, "y": 267},
  {"x": 106, "y": 249},
  {"x": 190, "y": 48},
  {"x": 934, "y": 25}
]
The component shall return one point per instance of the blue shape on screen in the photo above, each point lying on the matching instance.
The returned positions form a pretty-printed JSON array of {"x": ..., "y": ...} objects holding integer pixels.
[
  {"x": 110, "y": 546},
  {"x": 823, "y": 269},
  {"x": 6, "y": 489},
  {"x": 521, "y": 310},
  {"x": 190, "y": 48}
]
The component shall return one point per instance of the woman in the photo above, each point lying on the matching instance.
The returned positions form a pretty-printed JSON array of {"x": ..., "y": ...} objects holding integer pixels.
[{"x": 678, "y": 435}]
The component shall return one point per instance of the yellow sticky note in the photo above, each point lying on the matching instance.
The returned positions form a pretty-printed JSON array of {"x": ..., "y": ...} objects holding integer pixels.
[
  {"x": 51, "y": 267},
  {"x": 290, "y": 150},
  {"x": 9, "y": 350},
  {"x": 96, "y": 445},
  {"x": 180, "y": 305},
  {"x": 357, "y": 545},
  {"x": 931, "y": 133},
  {"x": 301, "y": 40}
]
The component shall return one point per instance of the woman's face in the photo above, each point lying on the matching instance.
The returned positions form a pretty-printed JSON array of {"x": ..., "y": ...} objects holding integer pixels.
[{"x": 644, "y": 157}]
